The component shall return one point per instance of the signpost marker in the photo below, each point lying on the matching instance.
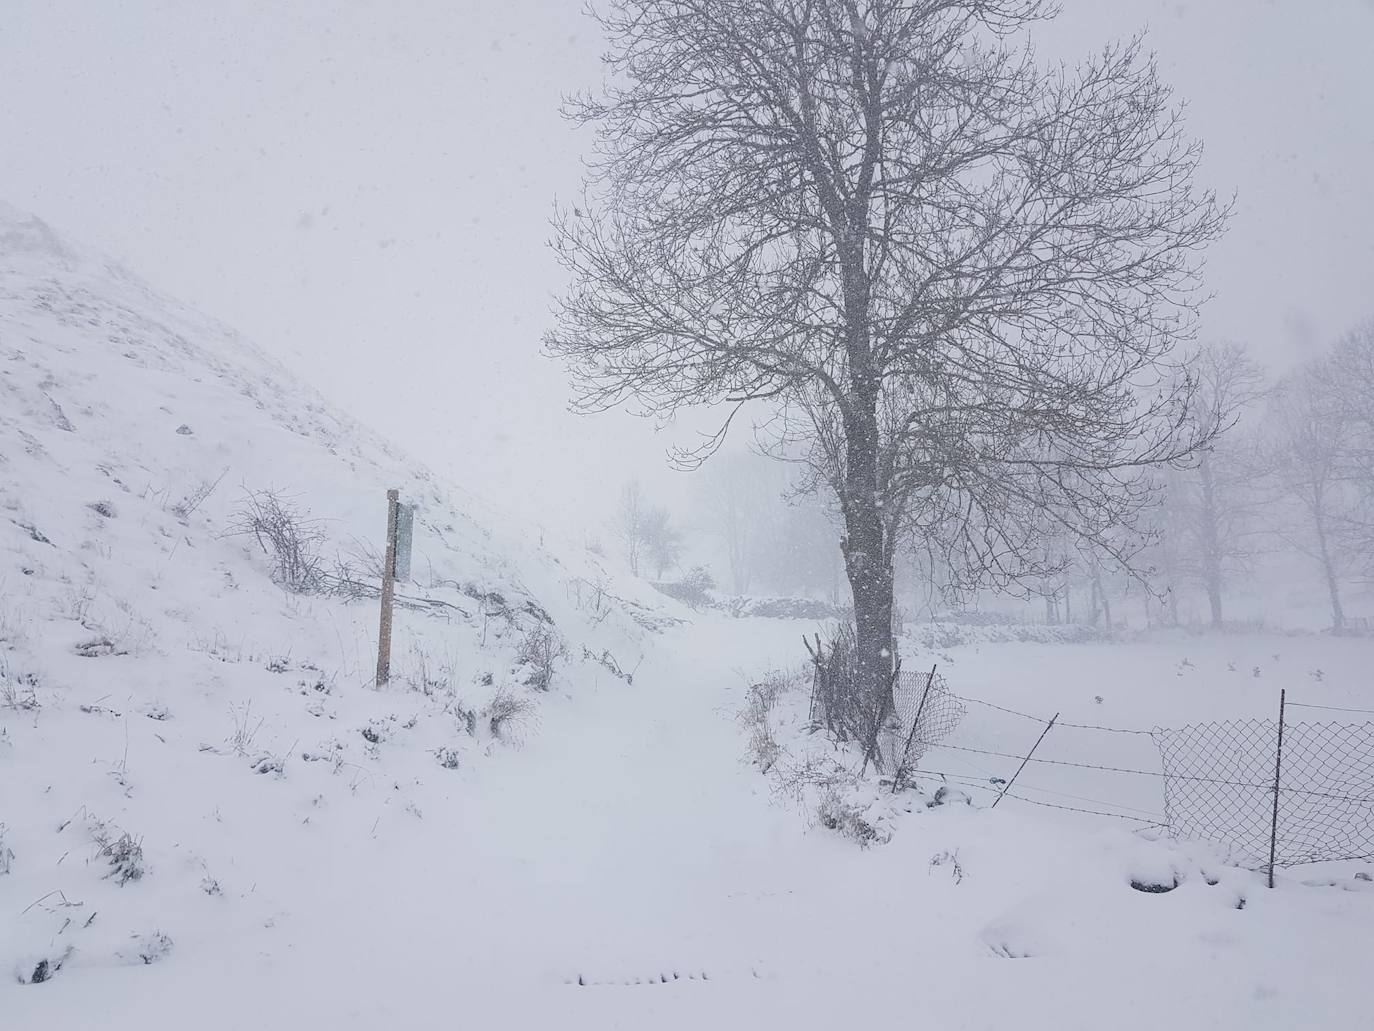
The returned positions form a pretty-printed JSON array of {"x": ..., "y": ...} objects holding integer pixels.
[{"x": 405, "y": 537}]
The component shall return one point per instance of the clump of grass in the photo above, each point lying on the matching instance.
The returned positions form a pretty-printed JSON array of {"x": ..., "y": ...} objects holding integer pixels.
[{"x": 756, "y": 717}]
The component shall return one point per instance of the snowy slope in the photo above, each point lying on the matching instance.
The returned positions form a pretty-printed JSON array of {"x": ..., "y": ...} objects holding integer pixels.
[
  {"x": 144, "y": 646},
  {"x": 210, "y": 818}
]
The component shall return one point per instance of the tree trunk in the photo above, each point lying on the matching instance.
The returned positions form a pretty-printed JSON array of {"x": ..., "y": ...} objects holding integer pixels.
[
  {"x": 1102, "y": 605},
  {"x": 1329, "y": 570},
  {"x": 1214, "y": 601},
  {"x": 867, "y": 549},
  {"x": 1211, "y": 542},
  {"x": 868, "y": 556}
]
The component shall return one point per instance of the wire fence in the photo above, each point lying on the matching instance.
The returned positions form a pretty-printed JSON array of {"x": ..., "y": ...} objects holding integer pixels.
[
  {"x": 1308, "y": 801},
  {"x": 1270, "y": 792}
]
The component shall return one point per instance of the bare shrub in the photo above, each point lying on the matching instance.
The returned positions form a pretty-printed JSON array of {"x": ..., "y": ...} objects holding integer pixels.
[
  {"x": 290, "y": 539},
  {"x": 506, "y": 710},
  {"x": 18, "y": 693},
  {"x": 608, "y": 660},
  {"x": 843, "y": 816},
  {"x": 6, "y": 853},
  {"x": 195, "y": 497},
  {"x": 467, "y": 717},
  {"x": 843, "y": 703},
  {"x": 355, "y": 575},
  {"x": 764, "y": 749},
  {"x": 693, "y": 590},
  {"x": 539, "y": 651}
]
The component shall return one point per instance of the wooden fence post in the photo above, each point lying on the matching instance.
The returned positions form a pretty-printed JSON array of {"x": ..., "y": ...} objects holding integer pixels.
[{"x": 393, "y": 500}]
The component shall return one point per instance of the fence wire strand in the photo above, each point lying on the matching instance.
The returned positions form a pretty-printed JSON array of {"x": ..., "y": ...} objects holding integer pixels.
[{"x": 1218, "y": 778}]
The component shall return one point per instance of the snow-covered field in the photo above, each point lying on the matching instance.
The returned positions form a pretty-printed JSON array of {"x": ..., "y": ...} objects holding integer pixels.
[{"x": 465, "y": 850}]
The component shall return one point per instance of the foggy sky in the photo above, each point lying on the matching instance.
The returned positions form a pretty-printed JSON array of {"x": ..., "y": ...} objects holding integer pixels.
[{"x": 364, "y": 188}]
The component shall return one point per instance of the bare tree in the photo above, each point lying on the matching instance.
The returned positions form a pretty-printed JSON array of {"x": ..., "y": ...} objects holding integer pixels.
[
  {"x": 629, "y": 524},
  {"x": 1163, "y": 558},
  {"x": 1352, "y": 389},
  {"x": 735, "y": 497},
  {"x": 1215, "y": 504},
  {"x": 955, "y": 274},
  {"x": 662, "y": 540},
  {"x": 1307, "y": 441}
]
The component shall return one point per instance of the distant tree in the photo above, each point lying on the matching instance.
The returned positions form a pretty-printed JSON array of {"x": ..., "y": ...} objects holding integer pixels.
[
  {"x": 949, "y": 267},
  {"x": 736, "y": 496},
  {"x": 1352, "y": 390},
  {"x": 1215, "y": 504},
  {"x": 1163, "y": 561},
  {"x": 796, "y": 553},
  {"x": 1307, "y": 441},
  {"x": 630, "y": 522},
  {"x": 662, "y": 540}
]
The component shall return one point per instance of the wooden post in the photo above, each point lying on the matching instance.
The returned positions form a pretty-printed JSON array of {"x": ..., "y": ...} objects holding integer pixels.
[
  {"x": 1278, "y": 768},
  {"x": 393, "y": 500}
]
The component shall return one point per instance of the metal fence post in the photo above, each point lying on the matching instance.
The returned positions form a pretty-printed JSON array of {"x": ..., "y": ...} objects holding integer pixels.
[
  {"x": 1278, "y": 768},
  {"x": 1007, "y": 786},
  {"x": 393, "y": 500}
]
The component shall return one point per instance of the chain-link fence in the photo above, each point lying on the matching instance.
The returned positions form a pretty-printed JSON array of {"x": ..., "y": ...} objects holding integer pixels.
[
  {"x": 924, "y": 712},
  {"x": 1271, "y": 792}
]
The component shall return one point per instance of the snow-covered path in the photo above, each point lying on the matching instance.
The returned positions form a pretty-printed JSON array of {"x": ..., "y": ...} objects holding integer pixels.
[{"x": 630, "y": 845}]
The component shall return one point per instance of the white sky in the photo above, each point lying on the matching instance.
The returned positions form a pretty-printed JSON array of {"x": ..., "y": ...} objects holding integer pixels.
[{"x": 363, "y": 187}]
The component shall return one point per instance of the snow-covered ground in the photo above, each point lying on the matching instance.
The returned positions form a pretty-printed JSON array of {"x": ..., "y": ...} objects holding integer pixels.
[{"x": 306, "y": 851}]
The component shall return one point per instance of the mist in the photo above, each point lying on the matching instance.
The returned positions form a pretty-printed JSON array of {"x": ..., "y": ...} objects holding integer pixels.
[
  {"x": 686, "y": 513},
  {"x": 365, "y": 189}
]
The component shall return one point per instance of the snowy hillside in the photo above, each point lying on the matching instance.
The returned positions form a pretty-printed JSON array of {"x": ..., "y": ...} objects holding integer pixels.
[
  {"x": 209, "y": 817},
  {"x": 145, "y": 647}
]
